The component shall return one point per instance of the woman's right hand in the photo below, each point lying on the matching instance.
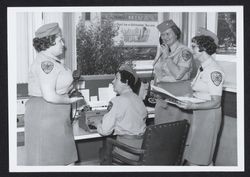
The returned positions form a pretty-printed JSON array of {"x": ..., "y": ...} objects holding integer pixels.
[{"x": 165, "y": 51}]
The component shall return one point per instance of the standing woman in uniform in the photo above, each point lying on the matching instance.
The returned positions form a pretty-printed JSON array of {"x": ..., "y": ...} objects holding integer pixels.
[
  {"x": 172, "y": 66},
  {"x": 127, "y": 113},
  {"x": 207, "y": 85},
  {"x": 49, "y": 136}
]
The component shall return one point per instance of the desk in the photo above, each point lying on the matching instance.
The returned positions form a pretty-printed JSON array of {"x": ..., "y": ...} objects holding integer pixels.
[
  {"x": 85, "y": 141},
  {"x": 79, "y": 133}
]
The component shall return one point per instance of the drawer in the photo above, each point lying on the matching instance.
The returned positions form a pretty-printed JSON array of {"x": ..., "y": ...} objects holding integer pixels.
[
  {"x": 20, "y": 120},
  {"x": 20, "y": 138}
]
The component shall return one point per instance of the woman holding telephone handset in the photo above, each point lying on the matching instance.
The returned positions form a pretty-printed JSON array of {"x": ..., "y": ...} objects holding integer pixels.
[{"x": 173, "y": 66}]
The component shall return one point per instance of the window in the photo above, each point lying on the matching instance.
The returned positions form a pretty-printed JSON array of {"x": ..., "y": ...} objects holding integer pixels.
[
  {"x": 102, "y": 45},
  {"x": 226, "y": 32},
  {"x": 87, "y": 16},
  {"x": 224, "y": 25}
]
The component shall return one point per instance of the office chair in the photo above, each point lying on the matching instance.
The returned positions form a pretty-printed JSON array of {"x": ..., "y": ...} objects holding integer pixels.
[{"x": 162, "y": 144}]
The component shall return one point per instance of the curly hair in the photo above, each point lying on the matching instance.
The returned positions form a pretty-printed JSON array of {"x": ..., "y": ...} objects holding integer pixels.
[
  {"x": 205, "y": 43},
  {"x": 41, "y": 44},
  {"x": 176, "y": 31},
  {"x": 127, "y": 77}
]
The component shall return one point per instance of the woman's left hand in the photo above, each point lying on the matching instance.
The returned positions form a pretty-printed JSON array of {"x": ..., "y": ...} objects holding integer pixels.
[{"x": 186, "y": 105}]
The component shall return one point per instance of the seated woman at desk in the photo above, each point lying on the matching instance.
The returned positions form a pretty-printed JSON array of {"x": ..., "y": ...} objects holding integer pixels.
[{"x": 127, "y": 113}]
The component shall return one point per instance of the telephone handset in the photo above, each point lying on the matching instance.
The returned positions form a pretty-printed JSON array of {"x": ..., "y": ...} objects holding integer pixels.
[
  {"x": 161, "y": 41},
  {"x": 163, "y": 44}
]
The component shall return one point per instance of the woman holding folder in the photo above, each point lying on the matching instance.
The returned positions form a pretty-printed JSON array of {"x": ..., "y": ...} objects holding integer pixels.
[{"x": 207, "y": 85}]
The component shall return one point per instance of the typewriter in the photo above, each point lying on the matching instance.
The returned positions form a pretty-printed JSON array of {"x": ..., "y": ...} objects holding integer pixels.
[{"x": 87, "y": 119}]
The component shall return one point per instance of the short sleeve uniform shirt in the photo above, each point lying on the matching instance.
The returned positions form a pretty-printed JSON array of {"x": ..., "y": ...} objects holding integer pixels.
[
  {"x": 209, "y": 81},
  {"x": 181, "y": 56},
  {"x": 46, "y": 68},
  {"x": 126, "y": 116}
]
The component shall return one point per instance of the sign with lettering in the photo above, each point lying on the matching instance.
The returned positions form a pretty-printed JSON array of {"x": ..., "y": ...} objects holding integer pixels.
[
  {"x": 137, "y": 33},
  {"x": 131, "y": 16}
]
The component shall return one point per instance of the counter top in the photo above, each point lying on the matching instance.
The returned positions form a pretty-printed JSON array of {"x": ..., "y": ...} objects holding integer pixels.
[
  {"x": 230, "y": 87},
  {"x": 81, "y": 134}
]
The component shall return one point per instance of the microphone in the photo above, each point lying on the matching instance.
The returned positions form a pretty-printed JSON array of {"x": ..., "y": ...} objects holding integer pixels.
[{"x": 76, "y": 77}]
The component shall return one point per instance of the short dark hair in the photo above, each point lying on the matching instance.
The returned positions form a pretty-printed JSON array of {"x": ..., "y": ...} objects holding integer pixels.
[
  {"x": 41, "y": 44},
  {"x": 127, "y": 77},
  {"x": 176, "y": 31},
  {"x": 205, "y": 43}
]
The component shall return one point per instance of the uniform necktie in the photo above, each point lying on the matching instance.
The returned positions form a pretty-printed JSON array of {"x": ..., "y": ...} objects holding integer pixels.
[
  {"x": 197, "y": 76},
  {"x": 58, "y": 61}
]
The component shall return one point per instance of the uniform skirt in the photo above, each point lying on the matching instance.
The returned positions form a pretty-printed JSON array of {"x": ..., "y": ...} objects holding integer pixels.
[
  {"x": 49, "y": 138},
  {"x": 203, "y": 136},
  {"x": 166, "y": 112}
]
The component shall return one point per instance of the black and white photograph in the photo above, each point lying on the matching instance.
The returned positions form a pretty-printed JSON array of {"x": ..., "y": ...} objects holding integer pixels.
[{"x": 126, "y": 89}]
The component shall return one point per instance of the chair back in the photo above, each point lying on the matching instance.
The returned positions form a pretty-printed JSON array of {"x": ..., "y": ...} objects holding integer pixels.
[{"x": 164, "y": 144}]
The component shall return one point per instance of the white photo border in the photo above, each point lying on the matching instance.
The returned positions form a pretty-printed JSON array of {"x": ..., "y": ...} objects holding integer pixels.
[{"x": 12, "y": 91}]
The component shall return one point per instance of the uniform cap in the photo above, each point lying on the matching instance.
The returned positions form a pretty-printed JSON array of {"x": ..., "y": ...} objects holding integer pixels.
[
  {"x": 205, "y": 32},
  {"x": 47, "y": 30},
  {"x": 129, "y": 69},
  {"x": 165, "y": 25}
]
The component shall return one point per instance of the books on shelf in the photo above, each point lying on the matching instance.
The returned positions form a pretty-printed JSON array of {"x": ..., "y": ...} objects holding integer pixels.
[{"x": 170, "y": 98}]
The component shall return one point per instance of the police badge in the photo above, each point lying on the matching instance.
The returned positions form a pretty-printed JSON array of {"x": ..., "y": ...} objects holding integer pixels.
[
  {"x": 47, "y": 66},
  {"x": 216, "y": 78}
]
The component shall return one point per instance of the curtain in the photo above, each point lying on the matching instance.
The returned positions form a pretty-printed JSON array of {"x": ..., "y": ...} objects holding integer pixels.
[
  {"x": 69, "y": 36},
  {"x": 26, "y": 24}
]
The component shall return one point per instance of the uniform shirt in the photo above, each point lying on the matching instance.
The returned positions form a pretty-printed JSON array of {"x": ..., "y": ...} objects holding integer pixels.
[
  {"x": 208, "y": 81},
  {"x": 45, "y": 68},
  {"x": 181, "y": 56},
  {"x": 126, "y": 116}
]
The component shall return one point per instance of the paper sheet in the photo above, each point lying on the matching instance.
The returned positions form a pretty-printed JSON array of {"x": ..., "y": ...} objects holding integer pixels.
[{"x": 173, "y": 99}]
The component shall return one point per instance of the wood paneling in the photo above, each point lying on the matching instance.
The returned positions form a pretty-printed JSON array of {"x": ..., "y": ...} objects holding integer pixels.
[{"x": 229, "y": 104}]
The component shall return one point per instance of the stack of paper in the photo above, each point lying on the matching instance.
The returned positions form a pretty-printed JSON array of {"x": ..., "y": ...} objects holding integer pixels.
[
  {"x": 106, "y": 93},
  {"x": 174, "y": 99}
]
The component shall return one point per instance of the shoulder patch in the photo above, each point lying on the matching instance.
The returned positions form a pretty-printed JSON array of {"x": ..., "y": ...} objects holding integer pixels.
[
  {"x": 110, "y": 106},
  {"x": 186, "y": 55},
  {"x": 47, "y": 66},
  {"x": 216, "y": 78}
]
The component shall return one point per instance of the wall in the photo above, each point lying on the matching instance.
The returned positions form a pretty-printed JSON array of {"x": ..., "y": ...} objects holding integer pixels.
[
  {"x": 229, "y": 68},
  {"x": 226, "y": 150}
]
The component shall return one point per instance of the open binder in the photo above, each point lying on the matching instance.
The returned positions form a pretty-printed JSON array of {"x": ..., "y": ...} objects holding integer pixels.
[{"x": 170, "y": 98}]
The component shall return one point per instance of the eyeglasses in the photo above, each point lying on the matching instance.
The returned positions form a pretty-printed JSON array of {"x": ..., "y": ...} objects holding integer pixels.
[{"x": 194, "y": 46}]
